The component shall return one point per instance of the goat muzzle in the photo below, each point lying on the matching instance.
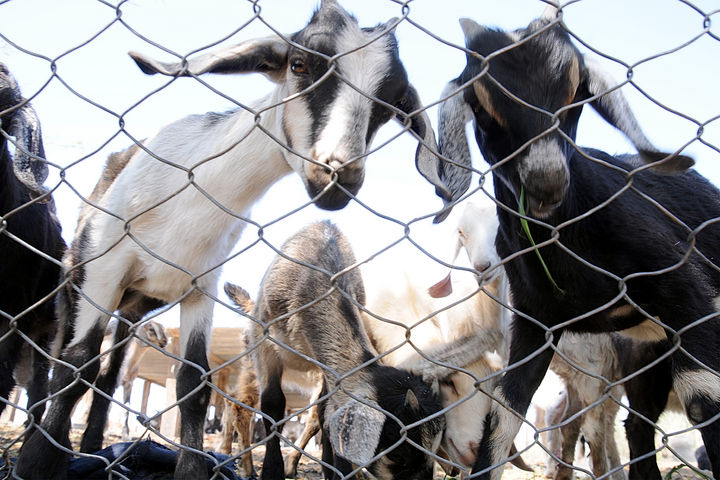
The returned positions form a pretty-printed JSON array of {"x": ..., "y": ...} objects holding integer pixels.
[{"x": 334, "y": 187}]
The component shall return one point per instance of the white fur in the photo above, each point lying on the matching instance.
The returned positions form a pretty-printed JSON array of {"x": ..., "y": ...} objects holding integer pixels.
[
  {"x": 691, "y": 383},
  {"x": 478, "y": 316}
]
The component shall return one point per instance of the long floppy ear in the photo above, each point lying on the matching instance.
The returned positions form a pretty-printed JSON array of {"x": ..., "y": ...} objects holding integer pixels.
[
  {"x": 264, "y": 55},
  {"x": 614, "y": 108},
  {"x": 443, "y": 288},
  {"x": 354, "y": 431},
  {"x": 29, "y": 162},
  {"x": 453, "y": 114},
  {"x": 426, "y": 160},
  {"x": 428, "y": 163}
]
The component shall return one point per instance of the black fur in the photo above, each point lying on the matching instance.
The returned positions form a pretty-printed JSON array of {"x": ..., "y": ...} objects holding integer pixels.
[
  {"x": 26, "y": 277},
  {"x": 647, "y": 394},
  {"x": 405, "y": 461},
  {"x": 627, "y": 236}
]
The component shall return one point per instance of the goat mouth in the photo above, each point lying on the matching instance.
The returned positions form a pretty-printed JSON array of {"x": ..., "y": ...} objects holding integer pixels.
[
  {"x": 541, "y": 208},
  {"x": 335, "y": 197},
  {"x": 333, "y": 191},
  {"x": 467, "y": 458}
]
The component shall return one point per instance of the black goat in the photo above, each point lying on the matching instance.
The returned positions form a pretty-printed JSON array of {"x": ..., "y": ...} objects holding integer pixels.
[
  {"x": 31, "y": 245},
  {"x": 308, "y": 320},
  {"x": 610, "y": 243}
]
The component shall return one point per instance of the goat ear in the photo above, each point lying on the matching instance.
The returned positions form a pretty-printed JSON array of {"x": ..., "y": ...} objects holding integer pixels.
[
  {"x": 470, "y": 28},
  {"x": 614, "y": 108},
  {"x": 455, "y": 170},
  {"x": 411, "y": 401},
  {"x": 443, "y": 288},
  {"x": 354, "y": 431},
  {"x": 426, "y": 159},
  {"x": 29, "y": 160},
  {"x": 265, "y": 55},
  {"x": 29, "y": 163}
]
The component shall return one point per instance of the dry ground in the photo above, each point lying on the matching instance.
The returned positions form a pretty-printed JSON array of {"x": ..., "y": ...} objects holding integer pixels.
[{"x": 310, "y": 470}]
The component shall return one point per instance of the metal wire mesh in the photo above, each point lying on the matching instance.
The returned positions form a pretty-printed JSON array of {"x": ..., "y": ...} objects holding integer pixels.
[{"x": 70, "y": 63}]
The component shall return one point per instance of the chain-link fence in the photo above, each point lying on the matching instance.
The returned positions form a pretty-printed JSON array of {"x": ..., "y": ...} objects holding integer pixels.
[{"x": 182, "y": 209}]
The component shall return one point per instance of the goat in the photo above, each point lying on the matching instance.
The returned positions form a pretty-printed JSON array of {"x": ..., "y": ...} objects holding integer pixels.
[
  {"x": 613, "y": 357},
  {"x": 649, "y": 391},
  {"x": 595, "y": 220},
  {"x": 31, "y": 247},
  {"x": 476, "y": 319},
  {"x": 156, "y": 235},
  {"x": 308, "y": 319},
  {"x": 476, "y": 315},
  {"x": 587, "y": 364}
]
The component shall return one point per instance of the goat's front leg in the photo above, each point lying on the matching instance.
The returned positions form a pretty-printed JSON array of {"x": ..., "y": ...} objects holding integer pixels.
[
  {"x": 514, "y": 393},
  {"x": 569, "y": 435},
  {"x": 193, "y": 393}
]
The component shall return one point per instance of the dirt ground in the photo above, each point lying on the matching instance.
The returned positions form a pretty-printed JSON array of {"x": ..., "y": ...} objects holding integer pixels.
[{"x": 310, "y": 470}]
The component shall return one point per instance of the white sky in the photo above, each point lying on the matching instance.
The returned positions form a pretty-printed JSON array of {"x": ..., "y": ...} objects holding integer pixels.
[{"x": 90, "y": 52}]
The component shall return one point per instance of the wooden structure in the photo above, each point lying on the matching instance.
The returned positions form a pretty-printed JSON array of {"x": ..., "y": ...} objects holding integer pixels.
[{"x": 226, "y": 344}]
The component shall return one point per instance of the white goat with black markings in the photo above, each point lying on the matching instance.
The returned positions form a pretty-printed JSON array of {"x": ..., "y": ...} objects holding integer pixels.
[
  {"x": 308, "y": 319},
  {"x": 157, "y": 234}
]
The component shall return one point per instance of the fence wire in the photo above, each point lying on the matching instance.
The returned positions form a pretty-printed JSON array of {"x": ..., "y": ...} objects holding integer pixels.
[{"x": 70, "y": 63}]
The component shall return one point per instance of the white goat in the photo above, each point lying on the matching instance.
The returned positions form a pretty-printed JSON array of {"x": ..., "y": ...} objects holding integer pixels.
[
  {"x": 469, "y": 319},
  {"x": 158, "y": 233},
  {"x": 587, "y": 364}
]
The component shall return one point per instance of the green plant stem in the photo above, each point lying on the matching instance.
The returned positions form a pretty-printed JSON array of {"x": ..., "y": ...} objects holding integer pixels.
[{"x": 526, "y": 229}]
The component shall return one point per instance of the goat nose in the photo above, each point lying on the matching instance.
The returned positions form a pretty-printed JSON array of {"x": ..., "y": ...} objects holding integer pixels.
[{"x": 346, "y": 180}]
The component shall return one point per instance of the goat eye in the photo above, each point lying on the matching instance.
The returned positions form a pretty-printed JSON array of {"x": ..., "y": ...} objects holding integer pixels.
[{"x": 297, "y": 66}]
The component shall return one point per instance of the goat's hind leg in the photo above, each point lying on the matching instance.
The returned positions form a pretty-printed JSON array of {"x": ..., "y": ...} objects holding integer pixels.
[
  {"x": 699, "y": 388},
  {"x": 40, "y": 456},
  {"x": 569, "y": 435},
  {"x": 312, "y": 427},
  {"x": 106, "y": 382}
]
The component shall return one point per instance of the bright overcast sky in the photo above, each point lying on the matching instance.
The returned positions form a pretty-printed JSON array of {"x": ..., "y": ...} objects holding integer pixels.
[{"x": 90, "y": 48}]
